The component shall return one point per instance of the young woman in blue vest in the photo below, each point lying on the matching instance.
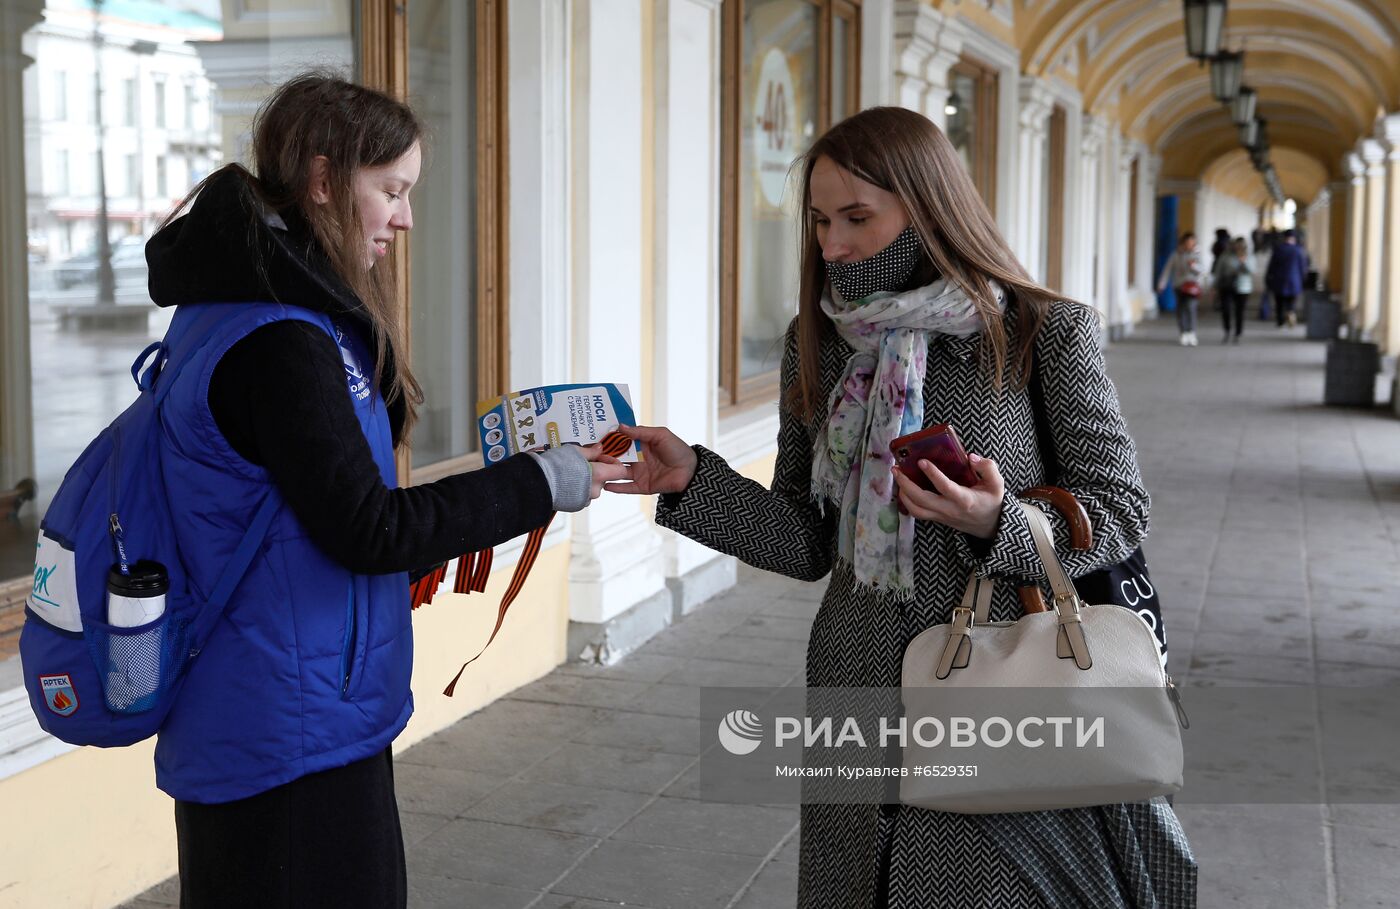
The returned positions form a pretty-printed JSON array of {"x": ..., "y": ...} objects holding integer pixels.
[{"x": 277, "y": 751}]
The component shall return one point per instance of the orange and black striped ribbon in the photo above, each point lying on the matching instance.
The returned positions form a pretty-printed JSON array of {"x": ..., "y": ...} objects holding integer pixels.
[
  {"x": 474, "y": 568},
  {"x": 517, "y": 582}
]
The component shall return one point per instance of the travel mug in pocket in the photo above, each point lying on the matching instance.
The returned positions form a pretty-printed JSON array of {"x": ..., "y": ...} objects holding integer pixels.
[{"x": 136, "y": 638}]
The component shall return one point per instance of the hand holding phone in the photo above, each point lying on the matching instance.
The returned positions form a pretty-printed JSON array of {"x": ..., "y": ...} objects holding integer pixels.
[{"x": 938, "y": 445}]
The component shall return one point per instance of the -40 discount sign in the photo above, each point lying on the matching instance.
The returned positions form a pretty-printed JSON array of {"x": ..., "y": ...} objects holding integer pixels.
[{"x": 775, "y": 126}]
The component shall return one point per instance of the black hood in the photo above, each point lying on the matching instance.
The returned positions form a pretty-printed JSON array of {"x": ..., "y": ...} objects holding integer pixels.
[{"x": 228, "y": 249}]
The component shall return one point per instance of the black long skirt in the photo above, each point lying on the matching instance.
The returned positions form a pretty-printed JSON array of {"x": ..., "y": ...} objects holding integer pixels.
[{"x": 327, "y": 839}]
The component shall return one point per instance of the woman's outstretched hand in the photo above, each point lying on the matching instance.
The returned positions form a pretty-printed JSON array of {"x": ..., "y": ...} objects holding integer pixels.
[
  {"x": 975, "y": 510},
  {"x": 667, "y": 464},
  {"x": 604, "y": 468}
]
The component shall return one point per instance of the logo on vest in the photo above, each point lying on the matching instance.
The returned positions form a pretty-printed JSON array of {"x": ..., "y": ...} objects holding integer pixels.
[
  {"x": 354, "y": 373},
  {"x": 59, "y": 694}
]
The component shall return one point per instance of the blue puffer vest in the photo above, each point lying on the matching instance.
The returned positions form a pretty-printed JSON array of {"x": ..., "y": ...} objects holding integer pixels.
[{"x": 309, "y": 667}]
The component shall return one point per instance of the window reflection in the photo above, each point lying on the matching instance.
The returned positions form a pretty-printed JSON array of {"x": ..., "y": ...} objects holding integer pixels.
[{"x": 177, "y": 85}]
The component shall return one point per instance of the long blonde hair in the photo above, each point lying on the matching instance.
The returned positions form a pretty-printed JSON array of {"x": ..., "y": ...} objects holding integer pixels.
[{"x": 904, "y": 153}]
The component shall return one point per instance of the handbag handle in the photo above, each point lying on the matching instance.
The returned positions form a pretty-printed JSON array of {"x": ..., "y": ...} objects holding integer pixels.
[
  {"x": 977, "y": 596},
  {"x": 977, "y": 599},
  {"x": 1081, "y": 535}
]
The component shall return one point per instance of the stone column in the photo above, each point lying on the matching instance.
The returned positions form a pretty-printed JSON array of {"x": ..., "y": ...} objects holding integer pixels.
[
  {"x": 685, "y": 289},
  {"x": 1093, "y": 135},
  {"x": 1119, "y": 180},
  {"x": 16, "y": 408},
  {"x": 1388, "y": 332},
  {"x": 1373, "y": 231},
  {"x": 1149, "y": 166},
  {"x": 1355, "y": 170},
  {"x": 1034, "y": 115},
  {"x": 616, "y": 559},
  {"x": 1315, "y": 220},
  {"x": 924, "y": 51}
]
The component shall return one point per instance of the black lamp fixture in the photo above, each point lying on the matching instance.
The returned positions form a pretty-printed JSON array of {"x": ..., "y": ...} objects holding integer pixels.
[
  {"x": 953, "y": 104},
  {"x": 1205, "y": 22},
  {"x": 1242, "y": 108},
  {"x": 1249, "y": 134},
  {"x": 1226, "y": 72},
  {"x": 1261, "y": 139}
]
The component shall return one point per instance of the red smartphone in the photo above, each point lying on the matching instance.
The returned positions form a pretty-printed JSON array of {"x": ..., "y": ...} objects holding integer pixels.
[{"x": 938, "y": 445}]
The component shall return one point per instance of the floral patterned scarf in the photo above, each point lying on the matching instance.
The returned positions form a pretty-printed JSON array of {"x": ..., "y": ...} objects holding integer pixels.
[{"x": 880, "y": 398}]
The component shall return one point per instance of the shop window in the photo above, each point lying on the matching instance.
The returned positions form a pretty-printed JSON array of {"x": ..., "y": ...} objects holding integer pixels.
[
  {"x": 790, "y": 70},
  {"x": 972, "y": 123},
  {"x": 64, "y": 374}
]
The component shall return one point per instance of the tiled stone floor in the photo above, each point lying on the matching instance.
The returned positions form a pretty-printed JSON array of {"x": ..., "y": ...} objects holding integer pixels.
[{"x": 1274, "y": 545}]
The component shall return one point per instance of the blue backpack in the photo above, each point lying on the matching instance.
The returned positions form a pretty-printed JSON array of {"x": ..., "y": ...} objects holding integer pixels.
[{"x": 90, "y": 682}]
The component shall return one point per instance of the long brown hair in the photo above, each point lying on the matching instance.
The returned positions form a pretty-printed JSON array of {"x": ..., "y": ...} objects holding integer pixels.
[
  {"x": 904, "y": 153},
  {"x": 319, "y": 114}
]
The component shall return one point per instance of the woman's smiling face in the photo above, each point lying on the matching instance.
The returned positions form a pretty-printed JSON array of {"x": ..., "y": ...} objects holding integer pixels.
[{"x": 381, "y": 194}]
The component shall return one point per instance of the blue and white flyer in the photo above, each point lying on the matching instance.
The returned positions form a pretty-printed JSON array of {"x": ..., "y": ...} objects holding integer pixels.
[{"x": 553, "y": 415}]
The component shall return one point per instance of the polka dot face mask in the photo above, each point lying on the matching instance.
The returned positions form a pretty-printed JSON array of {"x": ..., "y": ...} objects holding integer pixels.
[{"x": 888, "y": 269}]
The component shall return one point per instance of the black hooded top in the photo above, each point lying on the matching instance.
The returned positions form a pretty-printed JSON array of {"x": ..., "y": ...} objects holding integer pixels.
[{"x": 279, "y": 397}]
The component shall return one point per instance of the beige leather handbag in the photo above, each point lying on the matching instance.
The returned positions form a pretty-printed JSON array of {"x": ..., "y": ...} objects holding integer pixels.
[{"x": 1059, "y": 709}]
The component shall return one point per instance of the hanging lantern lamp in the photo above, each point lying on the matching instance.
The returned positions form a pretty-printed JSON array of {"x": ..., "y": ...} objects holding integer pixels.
[
  {"x": 1243, "y": 106},
  {"x": 1205, "y": 22},
  {"x": 1226, "y": 71}
]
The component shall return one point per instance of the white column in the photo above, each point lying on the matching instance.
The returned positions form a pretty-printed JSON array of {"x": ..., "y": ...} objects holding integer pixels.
[
  {"x": 1078, "y": 281},
  {"x": 616, "y": 558},
  {"x": 1388, "y": 332},
  {"x": 1373, "y": 230},
  {"x": 1036, "y": 103},
  {"x": 1090, "y": 150},
  {"x": 924, "y": 52},
  {"x": 1118, "y": 178},
  {"x": 877, "y": 49},
  {"x": 16, "y": 410},
  {"x": 686, "y": 289},
  {"x": 539, "y": 192},
  {"x": 1149, "y": 166},
  {"x": 1355, "y": 169},
  {"x": 1317, "y": 220}
]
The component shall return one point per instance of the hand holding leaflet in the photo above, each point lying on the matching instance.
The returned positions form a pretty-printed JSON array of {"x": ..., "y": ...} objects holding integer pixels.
[{"x": 553, "y": 415}]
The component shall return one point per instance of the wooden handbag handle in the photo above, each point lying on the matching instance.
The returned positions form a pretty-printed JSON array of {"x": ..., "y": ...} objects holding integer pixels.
[{"x": 1081, "y": 534}]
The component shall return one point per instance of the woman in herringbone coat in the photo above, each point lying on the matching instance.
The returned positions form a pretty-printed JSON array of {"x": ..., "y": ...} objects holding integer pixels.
[{"x": 913, "y": 311}]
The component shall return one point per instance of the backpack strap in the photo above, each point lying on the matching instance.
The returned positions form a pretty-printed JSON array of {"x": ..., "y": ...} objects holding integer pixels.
[
  {"x": 242, "y": 557},
  {"x": 178, "y": 347}
]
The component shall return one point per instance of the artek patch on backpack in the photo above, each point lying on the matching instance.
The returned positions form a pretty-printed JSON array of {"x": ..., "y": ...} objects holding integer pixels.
[{"x": 59, "y": 693}]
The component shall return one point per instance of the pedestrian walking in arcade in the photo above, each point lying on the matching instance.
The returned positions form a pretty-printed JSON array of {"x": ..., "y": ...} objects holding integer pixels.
[
  {"x": 1233, "y": 278},
  {"x": 1288, "y": 267},
  {"x": 1185, "y": 271}
]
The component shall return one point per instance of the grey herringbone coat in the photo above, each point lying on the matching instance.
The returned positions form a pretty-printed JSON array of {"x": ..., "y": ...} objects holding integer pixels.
[{"x": 1129, "y": 856}]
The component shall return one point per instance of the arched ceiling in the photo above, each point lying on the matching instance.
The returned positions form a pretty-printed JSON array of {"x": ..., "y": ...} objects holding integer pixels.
[
  {"x": 1301, "y": 175},
  {"x": 1323, "y": 69}
]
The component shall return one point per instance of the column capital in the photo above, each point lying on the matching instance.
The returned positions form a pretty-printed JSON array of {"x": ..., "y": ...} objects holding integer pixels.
[
  {"x": 1127, "y": 154},
  {"x": 1095, "y": 131},
  {"x": 1387, "y": 131},
  {"x": 1372, "y": 151},
  {"x": 923, "y": 47},
  {"x": 1354, "y": 168},
  {"x": 1037, "y": 102}
]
